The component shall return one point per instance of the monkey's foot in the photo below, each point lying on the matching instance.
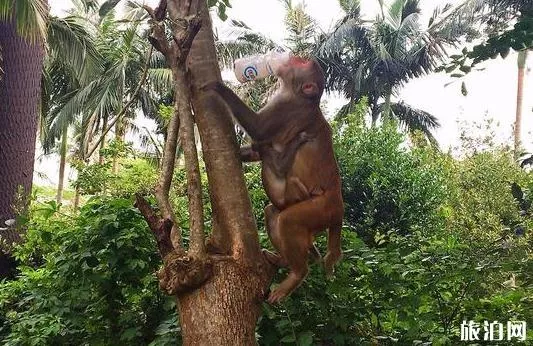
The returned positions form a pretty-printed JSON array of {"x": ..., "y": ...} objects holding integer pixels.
[
  {"x": 273, "y": 258},
  {"x": 277, "y": 295}
]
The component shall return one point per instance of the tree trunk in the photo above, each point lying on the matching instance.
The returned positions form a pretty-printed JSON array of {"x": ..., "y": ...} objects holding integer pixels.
[
  {"x": 20, "y": 92},
  {"x": 224, "y": 309},
  {"x": 229, "y": 196},
  {"x": 62, "y": 163},
  {"x": 120, "y": 135},
  {"x": 77, "y": 196},
  {"x": 102, "y": 143},
  {"x": 386, "y": 116},
  {"x": 522, "y": 57}
]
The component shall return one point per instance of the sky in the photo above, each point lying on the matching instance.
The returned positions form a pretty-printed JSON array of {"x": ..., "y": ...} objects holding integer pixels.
[{"x": 491, "y": 92}]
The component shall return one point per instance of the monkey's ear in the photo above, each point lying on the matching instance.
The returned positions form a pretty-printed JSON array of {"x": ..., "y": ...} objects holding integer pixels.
[{"x": 310, "y": 89}]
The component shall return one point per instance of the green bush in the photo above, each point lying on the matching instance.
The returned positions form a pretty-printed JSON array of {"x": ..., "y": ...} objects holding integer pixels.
[{"x": 95, "y": 285}]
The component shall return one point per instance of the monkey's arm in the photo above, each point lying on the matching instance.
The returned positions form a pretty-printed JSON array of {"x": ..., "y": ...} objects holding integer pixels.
[
  {"x": 282, "y": 161},
  {"x": 247, "y": 118}
]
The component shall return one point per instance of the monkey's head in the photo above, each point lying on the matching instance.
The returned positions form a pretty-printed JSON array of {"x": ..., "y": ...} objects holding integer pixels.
[{"x": 303, "y": 77}]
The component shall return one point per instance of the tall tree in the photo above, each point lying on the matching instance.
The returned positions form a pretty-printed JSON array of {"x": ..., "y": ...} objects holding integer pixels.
[
  {"x": 72, "y": 62},
  {"x": 375, "y": 58},
  {"x": 500, "y": 37},
  {"x": 521, "y": 62},
  {"x": 220, "y": 291},
  {"x": 22, "y": 31}
]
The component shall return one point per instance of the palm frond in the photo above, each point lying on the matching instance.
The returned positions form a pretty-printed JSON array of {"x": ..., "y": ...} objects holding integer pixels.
[
  {"x": 107, "y": 7},
  {"x": 352, "y": 8},
  {"x": 301, "y": 27},
  {"x": 70, "y": 42},
  {"x": 160, "y": 79},
  {"x": 452, "y": 21},
  {"x": 412, "y": 119}
]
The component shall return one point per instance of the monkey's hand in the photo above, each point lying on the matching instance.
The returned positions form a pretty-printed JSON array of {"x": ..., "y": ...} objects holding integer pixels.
[{"x": 249, "y": 154}]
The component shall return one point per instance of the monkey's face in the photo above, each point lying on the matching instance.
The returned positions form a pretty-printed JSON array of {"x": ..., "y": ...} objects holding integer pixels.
[{"x": 303, "y": 77}]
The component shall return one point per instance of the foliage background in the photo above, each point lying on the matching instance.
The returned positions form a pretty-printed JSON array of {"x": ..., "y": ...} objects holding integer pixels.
[{"x": 428, "y": 240}]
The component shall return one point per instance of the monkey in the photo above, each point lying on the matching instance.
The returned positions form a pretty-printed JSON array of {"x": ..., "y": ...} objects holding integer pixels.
[
  {"x": 309, "y": 199},
  {"x": 279, "y": 160}
]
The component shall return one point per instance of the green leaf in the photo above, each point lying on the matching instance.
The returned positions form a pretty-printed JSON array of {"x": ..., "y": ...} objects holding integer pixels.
[
  {"x": 91, "y": 261},
  {"x": 221, "y": 11},
  {"x": 450, "y": 68},
  {"x": 46, "y": 237},
  {"x": 464, "y": 90},
  {"x": 107, "y": 7},
  {"x": 465, "y": 69},
  {"x": 505, "y": 52},
  {"x": 305, "y": 338},
  {"x": 288, "y": 339}
]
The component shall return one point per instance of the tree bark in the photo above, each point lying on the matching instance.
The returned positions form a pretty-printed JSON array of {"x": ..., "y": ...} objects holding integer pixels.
[
  {"x": 62, "y": 163},
  {"x": 229, "y": 197},
  {"x": 225, "y": 310},
  {"x": 219, "y": 298},
  {"x": 386, "y": 116},
  {"x": 522, "y": 57},
  {"x": 20, "y": 92},
  {"x": 102, "y": 142}
]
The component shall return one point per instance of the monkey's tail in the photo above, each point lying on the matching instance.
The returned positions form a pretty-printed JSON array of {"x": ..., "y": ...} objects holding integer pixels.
[{"x": 334, "y": 248}]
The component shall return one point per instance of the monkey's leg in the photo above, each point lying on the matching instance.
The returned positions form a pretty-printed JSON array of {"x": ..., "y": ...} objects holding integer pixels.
[
  {"x": 271, "y": 220},
  {"x": 295, "y": 251},
  {"x": 295, "y": 233},
  {"x": 271, "y": 215},
  {"x": 334, "y": 248}
]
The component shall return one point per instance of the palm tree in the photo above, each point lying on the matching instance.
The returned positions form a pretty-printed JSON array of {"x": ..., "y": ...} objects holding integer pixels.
[
  {"x": 22, "y": 30},
  {"x": 375, "y": 58},
  {"x": 72, "y": 62},
  {"x": 521, "y": 62},
  {"x": 129, "y": 79}
]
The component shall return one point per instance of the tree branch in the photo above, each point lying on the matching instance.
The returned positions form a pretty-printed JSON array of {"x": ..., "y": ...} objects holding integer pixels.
[
  {"x": 181, "y": 125},
  {"x": 160, "y": 227}
]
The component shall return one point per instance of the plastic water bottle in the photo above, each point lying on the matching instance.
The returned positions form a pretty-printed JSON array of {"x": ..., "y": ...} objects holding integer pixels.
[{"x": 259, "y": 66}]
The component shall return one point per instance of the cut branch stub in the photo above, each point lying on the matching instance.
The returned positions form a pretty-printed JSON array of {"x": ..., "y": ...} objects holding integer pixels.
[
  {"x": 184, "y": 31},
  {"x": 180, "y": 272}
]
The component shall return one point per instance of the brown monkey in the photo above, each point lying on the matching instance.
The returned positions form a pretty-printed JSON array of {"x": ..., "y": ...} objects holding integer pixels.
[
  {"x": 308, "y": 199},
  {"x": 278, "y": 160}
]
